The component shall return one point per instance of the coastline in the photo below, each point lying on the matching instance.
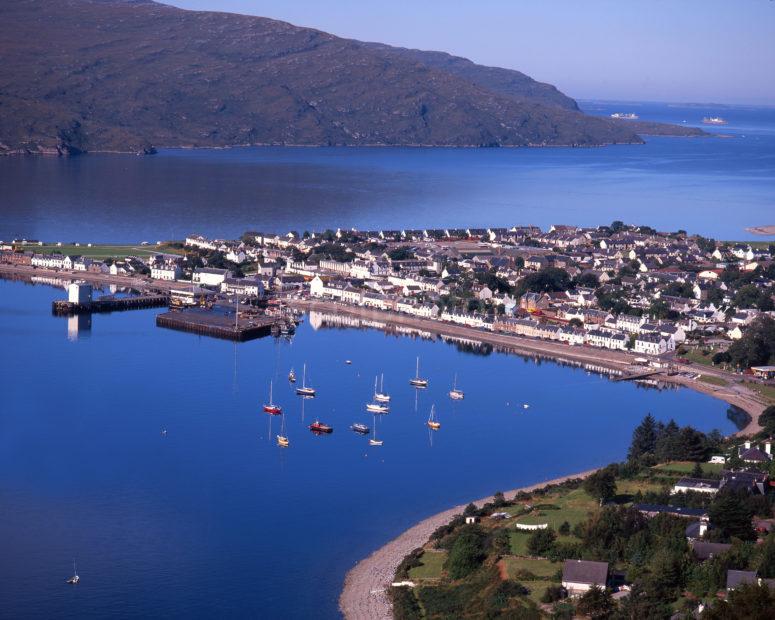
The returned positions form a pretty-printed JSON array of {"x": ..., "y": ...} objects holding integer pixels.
[
  {"x": 733, "y": 393},
  {"x": 364, "y": 594},
  {"x": 619, "y": 361}
]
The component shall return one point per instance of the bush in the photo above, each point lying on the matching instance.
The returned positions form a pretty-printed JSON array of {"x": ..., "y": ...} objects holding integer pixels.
[
  {"x": 541, "y": 541},
  {"x": 405, "y": 605},
  {"x": 467, "y": 552},
  {"x": 553, "y": 594},
  {"x": 564, "y": 528}
]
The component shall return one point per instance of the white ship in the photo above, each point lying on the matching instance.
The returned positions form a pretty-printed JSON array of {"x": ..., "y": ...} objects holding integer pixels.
[
  {"x": 714, "y": 120},
  {"x": 630, "y": 116}
]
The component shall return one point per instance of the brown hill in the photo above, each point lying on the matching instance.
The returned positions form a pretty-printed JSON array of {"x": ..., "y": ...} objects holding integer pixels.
[{"x": 110, "y": 75}]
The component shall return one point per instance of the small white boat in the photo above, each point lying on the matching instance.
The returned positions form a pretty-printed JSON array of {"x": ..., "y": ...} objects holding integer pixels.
[
  {"x": 348, "y": 362},
  {"x": 380, "y": 396},
  {"x": 75, "y": 578},
  {"x": 375, "y": 406},
  {"x": 418, "y": 381},
  {"x": 526, "y": 406},
  {"x": 292, "y": 376},
  {"x": 282, "y": 438},
  {"x": 374, "y": 441},
  {"x": 304, "y": 390},
  {"x": 454, "y": 393},
  {"x": 433, "y": 423}
]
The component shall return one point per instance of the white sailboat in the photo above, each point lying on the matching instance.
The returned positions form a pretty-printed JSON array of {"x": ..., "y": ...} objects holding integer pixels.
[
  {"x": 376, "y": 407},
  {"x": 381, "y": 396},
  {"x": 304, "y": 390},
  {"x": 433, "y": 423},
  {"x": 418, "y": 381},
  {"x": 374, "y": 441},
  {"x": 282, "y": 438},
  {"x": 454, "y": 393},
  {"x": 75, "y": 578}
]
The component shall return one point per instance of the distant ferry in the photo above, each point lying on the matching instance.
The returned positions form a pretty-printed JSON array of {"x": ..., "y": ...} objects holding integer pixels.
[
  {"x": 625, "y": 115},
  {"x": 714, "y": 120}
]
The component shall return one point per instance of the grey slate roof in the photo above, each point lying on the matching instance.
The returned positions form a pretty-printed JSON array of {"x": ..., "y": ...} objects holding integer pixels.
[{"x": 585, "y": 571}]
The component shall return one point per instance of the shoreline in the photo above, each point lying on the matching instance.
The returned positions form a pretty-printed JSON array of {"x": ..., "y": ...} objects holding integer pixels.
[
  {"x": 733, "y": 393},
  {"x": 364, "y": 596}
]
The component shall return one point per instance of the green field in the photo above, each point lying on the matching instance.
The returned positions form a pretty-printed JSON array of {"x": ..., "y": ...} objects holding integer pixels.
[
  {"x": 766, "y": 391},
  {"x": 102, "y": 251},
  {"x": 681, "y": 468},
  {"x": 696, "y": 356},
  {"x": 540, "y": 568},
  {"x": 713, "y": 380},
  {"x": 431, "y": 568}
]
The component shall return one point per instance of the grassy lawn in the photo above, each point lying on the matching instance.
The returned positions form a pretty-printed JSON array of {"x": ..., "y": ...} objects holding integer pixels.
[
  {"x": 537, "y": 589},
  {"x": 765, "y": 391},
  {"x": 103, "y": 251},
  {"x": 540, "y": 568},
  {"x": 713, "y": 380},
  {"x": 574, "y": 507},
  {"x": 685, "y": 467},
  {"x": 696, "y": 356},
  {"x": 630, "y": 487},
  {"x": 432, "y": 566}
]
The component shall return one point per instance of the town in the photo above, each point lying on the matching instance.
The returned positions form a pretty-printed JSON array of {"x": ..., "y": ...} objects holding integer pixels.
[{"x": 618, "y": 287}]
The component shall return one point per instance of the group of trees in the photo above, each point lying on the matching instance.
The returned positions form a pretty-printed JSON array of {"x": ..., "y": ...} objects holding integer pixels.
[
  {"x": 654, "y": 441},
  {"x": 755, "y": 348},
  {"x": 546, "y": 280}
]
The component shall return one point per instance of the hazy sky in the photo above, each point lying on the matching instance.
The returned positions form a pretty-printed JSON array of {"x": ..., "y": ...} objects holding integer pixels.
[{"x": 662, "y": 50}]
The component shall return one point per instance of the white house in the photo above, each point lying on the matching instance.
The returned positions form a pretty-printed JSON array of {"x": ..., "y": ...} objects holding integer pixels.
[
  {"x": 578, "y": 576},
  {"x": 653, "y": 344},
  {"x": 208, "y": 276},
  {"x": 249, "y": 287},
  {"x": 166, "y": 271}
]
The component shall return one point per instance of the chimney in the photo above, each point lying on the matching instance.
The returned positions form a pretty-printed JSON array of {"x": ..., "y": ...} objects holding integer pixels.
[
  {"x": 747, "y": 445},
  {"x": 768, "y": 447},
  {"x": 703, "y": 527}
]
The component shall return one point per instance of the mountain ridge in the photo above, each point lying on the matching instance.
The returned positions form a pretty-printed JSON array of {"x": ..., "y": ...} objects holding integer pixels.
[{"x": 131, "y": 75}]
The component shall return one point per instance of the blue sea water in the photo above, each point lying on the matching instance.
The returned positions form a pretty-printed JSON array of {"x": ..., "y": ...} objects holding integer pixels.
[
  {"x": 715, "y": 186},
  {"x": 213, "y": 520}
]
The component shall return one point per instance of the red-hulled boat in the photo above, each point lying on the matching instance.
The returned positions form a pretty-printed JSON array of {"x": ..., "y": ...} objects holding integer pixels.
[
  {"x": 271, "y": 408},
  {"x": 318, "y": 427}
]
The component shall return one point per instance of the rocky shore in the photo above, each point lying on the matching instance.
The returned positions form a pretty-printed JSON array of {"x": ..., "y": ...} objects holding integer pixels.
[{"x": 364, "y": 596}]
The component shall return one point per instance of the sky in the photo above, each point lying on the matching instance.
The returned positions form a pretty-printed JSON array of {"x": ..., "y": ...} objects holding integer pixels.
[{"x": 700, "y": 51}]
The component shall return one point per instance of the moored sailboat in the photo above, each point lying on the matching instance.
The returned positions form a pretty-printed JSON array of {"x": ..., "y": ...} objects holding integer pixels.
[
  {"x": 282, "y": 438},
  {"x": 432, "y": 421},
  {"x": 304, "y": 390},
  {"x": 376, "y": 407},
  {"x": 381, "y": 396},
  {"x": 374, "y": 441},
  {"x": 454, "y": 393},
  {"x": 75, "y": 578},
  {"x": 418, "y": 381},
  {"x": 271, "y": 408}
]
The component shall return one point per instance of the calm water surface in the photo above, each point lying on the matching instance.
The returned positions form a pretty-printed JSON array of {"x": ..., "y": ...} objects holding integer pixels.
[
  {"x": 714, "y": 186},
  {"x": 213, "y": 519}
]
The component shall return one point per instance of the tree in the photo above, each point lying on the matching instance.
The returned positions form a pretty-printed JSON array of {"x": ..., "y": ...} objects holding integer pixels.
[
  {"x": 541, "y": 541},
  {"x": 644, "y": 438},
  {"x": 757, "y": 346},
  {"x": 596, "y": 603},
  {"x": 501, "y": 543},
  {"x": 467, "y": 553},
  {"x": 767, "y": 420},
  {"x": 576, "y": 322},
  {"x": 601, "y": 485},
  {"x": 750, "y": 601},
  {"x": 697, "y": 470},
  {"x": 544, "y": 281},
  {"x": 766, "y": 568},
  {"x": 731, "y": 516},
  {"x": 588, "y": 279}
]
